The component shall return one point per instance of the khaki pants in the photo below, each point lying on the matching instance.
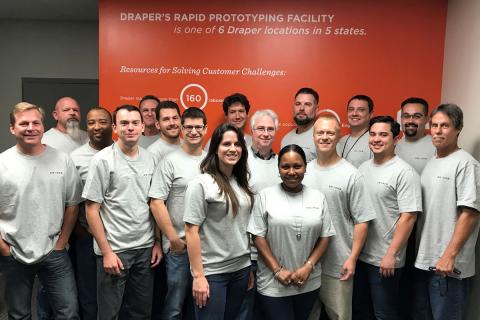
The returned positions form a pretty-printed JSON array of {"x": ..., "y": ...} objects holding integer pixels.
[{"x": 336, "y": 297}]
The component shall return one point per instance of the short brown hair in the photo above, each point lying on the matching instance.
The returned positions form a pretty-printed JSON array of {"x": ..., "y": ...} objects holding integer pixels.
[{"x": 22, "y": 107}]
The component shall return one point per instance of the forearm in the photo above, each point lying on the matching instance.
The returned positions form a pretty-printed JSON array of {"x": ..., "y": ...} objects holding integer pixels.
[
  {"x": 360, "y": 231},
  {"x": 266, "y": 253},
  {"x": 162, "y": 218},
  {"x": 194, "y": 249},
  {"x": 69, "y": 220},
  {"x": 318, "y": 251},
  {"x": 467, "y": 220},
  {"x": 4, "y": 247},
  {"x": 402, "y": 232},
  {"x": 96, "y": 226}
]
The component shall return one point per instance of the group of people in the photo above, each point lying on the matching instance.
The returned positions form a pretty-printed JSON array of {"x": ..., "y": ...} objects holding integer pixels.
[{"x": 240, "y": 231}]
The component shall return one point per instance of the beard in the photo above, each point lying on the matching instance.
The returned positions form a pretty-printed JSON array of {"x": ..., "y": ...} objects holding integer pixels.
[
  {"x": 73, "y": 130},
  {"x": 302, "y": 122},
  {"x": 410, "y": 130}
]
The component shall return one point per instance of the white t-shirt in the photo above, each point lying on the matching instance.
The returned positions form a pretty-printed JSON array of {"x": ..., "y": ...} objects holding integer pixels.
[
  {"x": 120, "y": 184},
  {"x": 354, "y": 150},
  {"x": 291, "y": 223},
  {"x": 448, "y": 183},
  {"x": 263, "y": 173},
  {"x": 343, "y": 186},
  {"x": 393, "y": 188},
  {"x": 62, "y": 141},
  {"x": 34, "y": 191},
  {"x": 416, "y": 153},
  {"x": 304, "y": 140},
  {"x": 147, "y": 141},
  {"x": 169, "y": 183},
  {"x": 161, "y": 147},
  {"x": 223, "y": 238}
]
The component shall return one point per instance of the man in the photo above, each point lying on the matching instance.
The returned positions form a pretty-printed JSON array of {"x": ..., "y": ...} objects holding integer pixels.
[
  {"x": 147, "y": 107},
  {"x": 168, "y": 122},
  {"x": 448, "y": 230},
  {"x": 416, "y": 146},
  {"x": 40, "y": 191},
  {"x": 354, "y": 146},
  {"x": 116, "y": 193},
  {"x": 304, "y": 109},
  {"x": 393, "y": 189},
  {"x": 167, "y": 192},
  {"x": 342, "y": 185},
  {"x": 99, "y": 130},
  {"x": 235, "y": 108},
  {"x": 67, "y": 135}
]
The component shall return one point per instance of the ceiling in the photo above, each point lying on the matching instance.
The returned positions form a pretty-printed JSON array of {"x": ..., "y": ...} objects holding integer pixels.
[{"x": 49, "y": 9}]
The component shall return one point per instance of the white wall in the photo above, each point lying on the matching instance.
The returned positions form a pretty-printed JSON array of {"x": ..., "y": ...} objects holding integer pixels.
[
  {"x": 461, "y": 85},
  {"x": 44, "y": 49}
]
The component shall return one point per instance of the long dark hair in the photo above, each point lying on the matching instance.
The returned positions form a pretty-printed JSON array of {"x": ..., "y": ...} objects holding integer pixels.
[{"x": 240, "y": 171}]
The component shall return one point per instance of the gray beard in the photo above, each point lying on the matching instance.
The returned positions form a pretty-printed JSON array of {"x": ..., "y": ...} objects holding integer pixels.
[{"x": 74, "y": 131}]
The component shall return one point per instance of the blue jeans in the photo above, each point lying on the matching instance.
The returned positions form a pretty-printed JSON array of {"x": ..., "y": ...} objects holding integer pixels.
[
  {"x": 179, "y": 283},
  {"x": 375, "y": 297},
  {"x": 86, "y": 276},
  {"x": 55, "y": 273},
  {"x": 250, "y": 309},
  {"x": 227, "y": 292},
  {"x": 296, "y": 307},
  {"x": 133, "y": 287},
  {"x": 440, "y": 298}
]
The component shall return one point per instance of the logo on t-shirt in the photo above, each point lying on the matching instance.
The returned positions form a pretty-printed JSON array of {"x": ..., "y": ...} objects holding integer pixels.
[{"x": 56, "y": 172}]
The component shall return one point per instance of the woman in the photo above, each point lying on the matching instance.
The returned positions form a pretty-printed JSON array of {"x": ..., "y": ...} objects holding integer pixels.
[
  {"x": 290, "y": 225},
  {"x": 217, "y": 210}
]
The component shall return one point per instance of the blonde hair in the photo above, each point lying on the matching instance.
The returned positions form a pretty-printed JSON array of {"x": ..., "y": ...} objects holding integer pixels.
[{"x": 22, "y": 107}]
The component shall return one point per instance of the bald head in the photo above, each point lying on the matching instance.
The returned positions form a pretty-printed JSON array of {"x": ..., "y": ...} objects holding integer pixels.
[{"x": 66, "y": 110}]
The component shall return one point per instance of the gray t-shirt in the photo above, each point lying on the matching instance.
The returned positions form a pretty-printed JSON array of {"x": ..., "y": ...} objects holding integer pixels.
[
  {"x": 416, "y": 153},
  {"x": 304, "y": 140},
  {"x": 63, "y": 141},
  {"x": 169, "y": 183},
  {"x": 354, "y": 150},
  {"x": 161, "y": 147},
  {"x": 291, "y": 223},
  {"x": 147, "y": 141},
  {"x": 263, "y": 173},
  {"x": 34, "y": 191},
  {"x": 448, "y": 183},
  {"x": 223, "y": 238},
  {"x": 343, "y": 186},
  {"x": 392, "y": 188},
  {"x": 120, "y": 184}
]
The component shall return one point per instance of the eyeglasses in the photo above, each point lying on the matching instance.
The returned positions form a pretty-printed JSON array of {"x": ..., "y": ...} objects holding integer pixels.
[
  {"x": 269, "y": 130},
  {"x": 190, "y": 128},
  {"x": 416, "y": 116}
]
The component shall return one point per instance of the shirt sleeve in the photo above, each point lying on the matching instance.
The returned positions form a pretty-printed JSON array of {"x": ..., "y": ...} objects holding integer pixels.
[
  {"x": 162, "y": 180},
  {"x": 409, "y": 191},
  {"x": 357, "y": 202},
  {"x": 98, "y": 180},
  {"x": 327, "y": 229},
  {"x": 258, "y": 224},
  {"x": 195, "y": 203},
  {"x": 468, "y": 186},
  {"x": 73, "y": 185}
]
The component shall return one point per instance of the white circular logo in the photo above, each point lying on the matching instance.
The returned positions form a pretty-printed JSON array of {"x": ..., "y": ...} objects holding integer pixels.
[{"x": 193, "y": 95}]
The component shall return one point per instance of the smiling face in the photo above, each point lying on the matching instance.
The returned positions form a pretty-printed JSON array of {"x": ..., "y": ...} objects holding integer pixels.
[
  {"x": 193, "y": 131},
  {"x": 304, "y": 109},
  {"x": 237, "y": 115},
  {"x": 128, "y": 127},
  {"x": 229, "y": 151},
  {"x": 358, "y": 114},
  {"x": 381, "y": 140},
  {"x": 28, "y": 128},
  {"x": 169, "y": 123},
  {"x": 292, "y": 170},
  {"x": 263, "y": 133},
  {"x": 326, "y": 134},
  {"x": 444, "y": 133},
  {"x": 413, "y": 120},
  {"x": 99, "y": 127}
]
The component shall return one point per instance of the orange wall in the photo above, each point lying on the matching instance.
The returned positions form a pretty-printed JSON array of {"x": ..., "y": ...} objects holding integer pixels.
[{"x": 395, "y": 52}]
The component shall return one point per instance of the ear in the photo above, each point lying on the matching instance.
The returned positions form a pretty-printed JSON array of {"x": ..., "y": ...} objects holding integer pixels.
[
  {"x": 157, "y": 125},
  {"x": 12, "y": 131},
  {"x": 114, "y": 128},
  {"x": 55, "y": 115}
]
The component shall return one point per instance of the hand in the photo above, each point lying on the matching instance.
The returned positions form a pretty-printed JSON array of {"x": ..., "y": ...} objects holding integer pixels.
[
  {"x": 201, "y": 291},
  {"x": 251, "y": 281},
  {"x": 157, "y": 255},
  {"x": 59, "y": 246},
  {"x": 177, "y": 245},
  {"x": 301, "y": 275},
  {"x": 387, "y": 266},
  {"x": 445, "y": 265},
  {"x": 348, "y": 269},
  {"x": 284, "y": 277},
  {"x": 4, "y": 249},
  {"x": 112, "y": 263}
]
